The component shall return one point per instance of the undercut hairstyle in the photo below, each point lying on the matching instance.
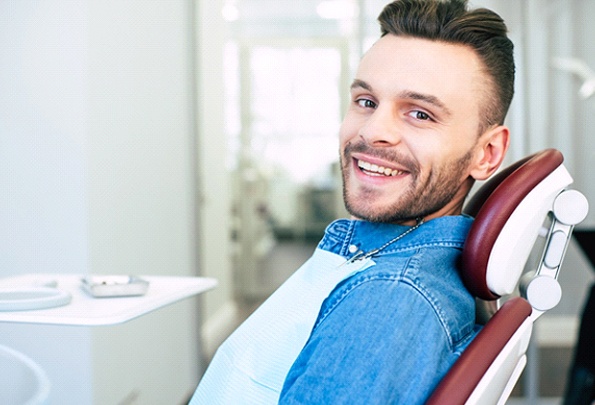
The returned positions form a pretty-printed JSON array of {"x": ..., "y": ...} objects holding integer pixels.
[{"x": 482, "y": 30}]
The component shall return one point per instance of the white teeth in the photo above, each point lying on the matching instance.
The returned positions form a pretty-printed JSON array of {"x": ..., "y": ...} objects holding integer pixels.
[{"x": 369, "y": 167}]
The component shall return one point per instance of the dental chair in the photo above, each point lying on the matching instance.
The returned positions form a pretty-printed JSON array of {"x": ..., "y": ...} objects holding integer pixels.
[{"x": 522, "y": 214}]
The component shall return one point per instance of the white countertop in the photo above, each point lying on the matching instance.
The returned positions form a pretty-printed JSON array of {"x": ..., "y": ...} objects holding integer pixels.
[{"x": 85, "y": 310}]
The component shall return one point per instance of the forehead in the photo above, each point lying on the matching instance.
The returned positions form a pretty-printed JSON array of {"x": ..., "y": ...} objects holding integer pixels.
[{"x": 450, "y": 72}]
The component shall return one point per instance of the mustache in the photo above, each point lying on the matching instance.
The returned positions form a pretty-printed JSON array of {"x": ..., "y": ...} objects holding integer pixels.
[{"x": 388, "y": 154}]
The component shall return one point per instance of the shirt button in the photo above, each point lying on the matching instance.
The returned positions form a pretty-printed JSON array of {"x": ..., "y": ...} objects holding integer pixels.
[{"x": 353, "y": 248}]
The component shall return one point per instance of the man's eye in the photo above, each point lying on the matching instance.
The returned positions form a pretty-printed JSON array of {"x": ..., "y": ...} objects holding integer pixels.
[
  {"x": 364, "y": 102},
  {"x": 420, "y": 115}
]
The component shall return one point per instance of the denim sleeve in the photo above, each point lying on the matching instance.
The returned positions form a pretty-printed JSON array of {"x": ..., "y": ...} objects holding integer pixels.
[{"x": 381, "y": 342}]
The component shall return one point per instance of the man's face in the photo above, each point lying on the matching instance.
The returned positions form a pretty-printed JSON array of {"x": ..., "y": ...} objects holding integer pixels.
[{"x": 409, "y": 136}]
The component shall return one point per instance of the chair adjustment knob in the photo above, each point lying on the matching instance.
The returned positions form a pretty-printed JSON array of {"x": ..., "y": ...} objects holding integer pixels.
[
  {"x": 542, "y": 292},
  {"x": 570, "y": 207}
]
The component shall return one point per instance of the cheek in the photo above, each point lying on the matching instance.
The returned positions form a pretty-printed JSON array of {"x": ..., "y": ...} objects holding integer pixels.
[
  {"x": 433, "y": 152},
  {"x": 426, "y": 152},
  {"x": 343, "y": 136},
  {"x": 349, "y": 128}
]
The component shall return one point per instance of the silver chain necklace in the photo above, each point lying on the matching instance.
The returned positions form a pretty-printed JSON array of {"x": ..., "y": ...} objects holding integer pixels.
[{"x": 361, "y": 255}]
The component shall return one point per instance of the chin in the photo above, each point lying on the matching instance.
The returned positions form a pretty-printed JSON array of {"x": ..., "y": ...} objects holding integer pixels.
[{"x": 365, "y": 212}]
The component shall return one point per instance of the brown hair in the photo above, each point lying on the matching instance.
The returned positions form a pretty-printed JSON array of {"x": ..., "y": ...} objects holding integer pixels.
[{"x": 450, "y": 21}]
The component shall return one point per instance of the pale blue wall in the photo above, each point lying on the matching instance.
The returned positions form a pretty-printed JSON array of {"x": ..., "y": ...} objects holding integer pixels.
[{"x": 97, "y": 175}]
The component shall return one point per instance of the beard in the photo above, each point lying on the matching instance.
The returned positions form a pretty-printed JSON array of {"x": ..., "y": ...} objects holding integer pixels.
[{"x": 422, "y": 196}]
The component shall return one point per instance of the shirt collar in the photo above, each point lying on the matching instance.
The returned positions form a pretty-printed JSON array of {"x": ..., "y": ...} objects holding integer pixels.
[{"x": 355, "y": 235}]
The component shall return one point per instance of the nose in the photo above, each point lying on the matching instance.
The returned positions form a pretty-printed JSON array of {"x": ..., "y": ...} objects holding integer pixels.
[{"x": 381, "y": 129}]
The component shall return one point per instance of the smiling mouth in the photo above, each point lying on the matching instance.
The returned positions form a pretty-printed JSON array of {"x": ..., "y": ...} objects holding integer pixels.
[{"x": 375, "y": 170}]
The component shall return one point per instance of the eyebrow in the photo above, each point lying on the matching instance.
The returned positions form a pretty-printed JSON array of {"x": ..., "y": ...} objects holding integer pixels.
[
  {"x": 360, "y": 83},
  {"x": 408, "y": 94}
]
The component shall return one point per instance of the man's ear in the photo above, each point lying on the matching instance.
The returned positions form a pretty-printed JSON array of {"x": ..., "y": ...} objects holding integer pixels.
[{"x": 490, "y": 151}]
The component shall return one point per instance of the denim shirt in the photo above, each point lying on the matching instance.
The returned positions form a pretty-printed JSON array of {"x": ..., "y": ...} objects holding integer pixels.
[
  {"x": 381, "y": 330},
  {"x": 389, "y": 334}
]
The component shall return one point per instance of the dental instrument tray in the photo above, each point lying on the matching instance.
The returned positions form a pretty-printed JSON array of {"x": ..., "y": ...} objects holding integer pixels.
[{"x": 114, "y": 286}]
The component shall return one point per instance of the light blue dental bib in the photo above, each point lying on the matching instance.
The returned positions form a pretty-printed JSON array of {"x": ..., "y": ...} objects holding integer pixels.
[{"x": 251, "y": 365}]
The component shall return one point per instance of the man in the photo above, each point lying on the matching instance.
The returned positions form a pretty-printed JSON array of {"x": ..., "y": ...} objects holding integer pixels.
[{"x": 379, "y": 313}]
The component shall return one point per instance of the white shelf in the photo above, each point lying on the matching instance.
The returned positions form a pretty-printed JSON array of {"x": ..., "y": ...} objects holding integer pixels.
[{"x": 84, "y": 310}]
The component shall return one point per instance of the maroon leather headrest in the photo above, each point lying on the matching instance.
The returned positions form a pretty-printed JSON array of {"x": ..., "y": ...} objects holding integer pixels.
[{"x": 492, "y": 206}]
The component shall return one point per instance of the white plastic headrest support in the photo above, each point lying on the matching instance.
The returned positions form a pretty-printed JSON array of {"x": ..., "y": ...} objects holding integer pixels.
[{"x": 513, "y": 245}]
